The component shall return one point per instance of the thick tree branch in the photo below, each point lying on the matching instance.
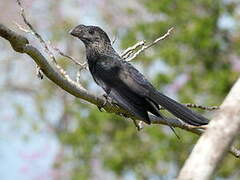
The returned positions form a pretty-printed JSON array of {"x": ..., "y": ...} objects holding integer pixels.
[
  {"x": 21, "y": 44},
  {"x": 214, "y": 143}
]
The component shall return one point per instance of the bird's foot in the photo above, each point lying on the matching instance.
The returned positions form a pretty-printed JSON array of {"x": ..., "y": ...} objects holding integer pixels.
[{"x": 106, "y": 99}]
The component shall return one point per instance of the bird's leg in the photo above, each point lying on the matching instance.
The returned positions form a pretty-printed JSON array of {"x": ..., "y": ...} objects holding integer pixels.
[
  {"x": 106, "y": 99},
  {"x": 104, "y": 103}
]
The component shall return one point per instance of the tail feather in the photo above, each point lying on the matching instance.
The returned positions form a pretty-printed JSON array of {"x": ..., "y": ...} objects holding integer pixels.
[{"x": 178, "y": 110}]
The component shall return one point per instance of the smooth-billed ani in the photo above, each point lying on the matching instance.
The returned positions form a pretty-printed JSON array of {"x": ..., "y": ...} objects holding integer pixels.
[{"x": 125, "y": 84}]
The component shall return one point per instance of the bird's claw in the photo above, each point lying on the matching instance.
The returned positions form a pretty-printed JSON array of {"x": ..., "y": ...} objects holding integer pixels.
[
  {"x": 102, "y": 106},
  {"x": 106, "y": 99}
]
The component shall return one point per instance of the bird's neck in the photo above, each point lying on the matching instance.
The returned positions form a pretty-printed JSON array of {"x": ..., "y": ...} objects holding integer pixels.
[{"x": 94, "y": 51}]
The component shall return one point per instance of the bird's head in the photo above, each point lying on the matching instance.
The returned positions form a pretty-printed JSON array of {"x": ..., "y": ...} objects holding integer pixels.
[{"x": 90, "y": 34}]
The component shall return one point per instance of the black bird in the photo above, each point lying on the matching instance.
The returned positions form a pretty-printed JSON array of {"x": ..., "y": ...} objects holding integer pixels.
[{"x": 125, "y": 84}]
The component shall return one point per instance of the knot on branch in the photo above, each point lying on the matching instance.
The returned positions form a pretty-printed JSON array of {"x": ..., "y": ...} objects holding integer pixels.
[{"x": 17, "y": 42}]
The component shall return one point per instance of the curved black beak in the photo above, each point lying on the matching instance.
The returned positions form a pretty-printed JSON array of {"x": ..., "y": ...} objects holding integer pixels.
[
  {"x": 77, "y": 31},
  {"x": 72, "y": 32}
]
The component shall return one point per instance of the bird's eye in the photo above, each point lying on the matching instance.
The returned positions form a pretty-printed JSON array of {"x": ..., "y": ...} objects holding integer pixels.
[{"x": 91, "y": 31}]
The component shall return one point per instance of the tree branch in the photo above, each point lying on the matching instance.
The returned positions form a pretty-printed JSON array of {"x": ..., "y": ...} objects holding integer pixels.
[
  {"x": 129, "y": 53},
  {"x": 21, "y": 44},
  {"x": 81, "y": 65},
  {"x": 214, "y": 143}
]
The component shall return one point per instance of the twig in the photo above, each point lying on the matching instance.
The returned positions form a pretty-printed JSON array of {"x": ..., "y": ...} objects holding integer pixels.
[
  {"x": 207, "y": 108},
  {"x": 22, "y": 28},
  {"x": 130, "y": 50},
  {"x": 44, "y": 44},
  {"x": 82, "y": 65},
  {"x": 143, "y": 47},
  {"x": 35, "y": 32}
]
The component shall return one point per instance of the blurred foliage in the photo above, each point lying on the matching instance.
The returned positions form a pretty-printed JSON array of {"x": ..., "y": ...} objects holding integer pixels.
[{"x": 97, "y": 144}]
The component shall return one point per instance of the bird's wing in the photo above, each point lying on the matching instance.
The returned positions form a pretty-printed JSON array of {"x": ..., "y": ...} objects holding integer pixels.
[
  {"x": 108, "y": 74},
  {"x": 140, "y": 85},
  {"x": 125, "y": 80},
  {"x": 134, "y": 79},
  {"x": 130, "y": 102}
]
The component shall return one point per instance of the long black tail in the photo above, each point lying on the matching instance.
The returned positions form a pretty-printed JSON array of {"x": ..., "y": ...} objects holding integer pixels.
[{"x": 178, "y": 110}]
